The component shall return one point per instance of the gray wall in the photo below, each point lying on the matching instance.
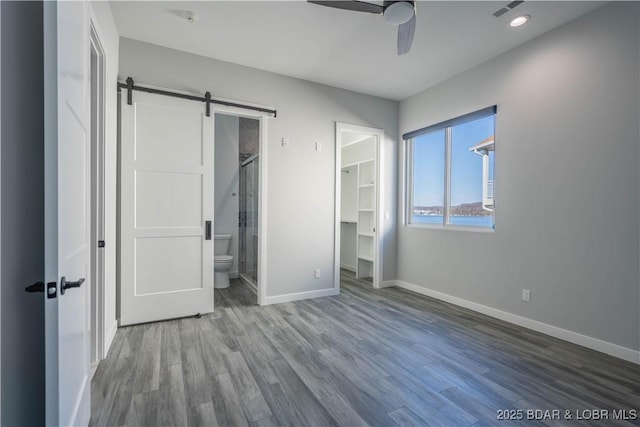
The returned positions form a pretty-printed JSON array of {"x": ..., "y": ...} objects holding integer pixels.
[
  {"x": 227, "y": 130},
  {"x": 567, "y": 172},
  {"x": 22, "y": 222},
  {"x": 301, "y": 180}
]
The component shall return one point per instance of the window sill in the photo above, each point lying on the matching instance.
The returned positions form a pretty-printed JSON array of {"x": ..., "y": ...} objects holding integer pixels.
[{"x": 452, "y": 228}]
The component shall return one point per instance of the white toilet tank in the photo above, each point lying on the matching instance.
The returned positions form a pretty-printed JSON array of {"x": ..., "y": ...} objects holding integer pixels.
[{"x": 221, "y": 243}]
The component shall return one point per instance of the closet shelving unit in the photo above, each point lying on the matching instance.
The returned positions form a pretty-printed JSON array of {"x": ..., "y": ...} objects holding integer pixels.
[{"x": 366, "y": 230}]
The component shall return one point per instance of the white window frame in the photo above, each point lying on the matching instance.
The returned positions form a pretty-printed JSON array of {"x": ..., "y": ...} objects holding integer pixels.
[{"x": 408, "y": 145}]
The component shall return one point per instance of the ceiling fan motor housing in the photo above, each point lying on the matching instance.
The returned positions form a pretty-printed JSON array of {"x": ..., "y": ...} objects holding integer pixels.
[{"x": 398, "y": 12}]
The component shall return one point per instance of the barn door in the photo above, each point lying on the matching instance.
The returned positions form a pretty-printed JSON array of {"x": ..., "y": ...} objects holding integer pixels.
[{"x": 166, "y": 208}]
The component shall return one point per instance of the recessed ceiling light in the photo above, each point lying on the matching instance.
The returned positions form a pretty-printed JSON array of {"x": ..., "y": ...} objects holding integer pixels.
[{"x": 519, "y": 20}]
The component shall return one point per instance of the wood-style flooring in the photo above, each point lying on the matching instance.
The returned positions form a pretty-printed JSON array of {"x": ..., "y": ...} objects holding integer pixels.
[{"x": 385, "y": 357}]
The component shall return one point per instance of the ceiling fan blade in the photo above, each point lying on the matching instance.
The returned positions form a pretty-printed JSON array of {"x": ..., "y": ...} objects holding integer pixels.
[
  {"x": 405, "y": 35},
  {"x": 357, "y": 6}
]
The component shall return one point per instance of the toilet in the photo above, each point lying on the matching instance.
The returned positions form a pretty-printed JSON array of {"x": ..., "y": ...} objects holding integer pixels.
[{"x": 222, "y": 261}]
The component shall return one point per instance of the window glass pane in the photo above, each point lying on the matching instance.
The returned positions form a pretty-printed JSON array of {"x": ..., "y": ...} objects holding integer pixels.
[
  {"x": 472, "y": 148},
  {"x": 428, "y": 178}
]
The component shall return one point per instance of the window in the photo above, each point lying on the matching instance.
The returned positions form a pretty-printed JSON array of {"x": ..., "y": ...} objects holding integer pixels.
[{"x": 450, "y": 167}]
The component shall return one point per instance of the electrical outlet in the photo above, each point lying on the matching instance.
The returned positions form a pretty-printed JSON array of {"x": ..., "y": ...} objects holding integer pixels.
[
  {"x": 317, "y": 273},
  {"x": 526, "y": 295},
  {"x": 285, "y": 142}
]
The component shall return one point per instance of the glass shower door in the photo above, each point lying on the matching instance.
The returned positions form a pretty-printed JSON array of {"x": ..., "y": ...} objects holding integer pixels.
[{"x": 249, "y": 219}]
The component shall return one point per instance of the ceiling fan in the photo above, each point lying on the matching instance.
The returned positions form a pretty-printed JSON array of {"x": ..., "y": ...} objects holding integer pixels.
[{"x": 400, "y": 13}]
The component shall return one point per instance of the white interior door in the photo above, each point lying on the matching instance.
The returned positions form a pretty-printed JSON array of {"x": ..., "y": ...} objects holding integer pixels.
[
  {"x": 67, "y": 216},
  {"x": 166, "y": 202}
]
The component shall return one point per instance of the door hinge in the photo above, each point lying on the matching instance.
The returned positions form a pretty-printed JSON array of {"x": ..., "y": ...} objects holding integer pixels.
[{"x": 101, "y": 243}]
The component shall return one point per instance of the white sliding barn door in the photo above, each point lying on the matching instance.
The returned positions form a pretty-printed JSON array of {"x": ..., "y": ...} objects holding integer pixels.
[{"x": 166, "y": 200}]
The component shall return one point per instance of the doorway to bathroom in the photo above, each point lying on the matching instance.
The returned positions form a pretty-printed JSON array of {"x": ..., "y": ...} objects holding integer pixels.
[{"x": 237, "y": 196}]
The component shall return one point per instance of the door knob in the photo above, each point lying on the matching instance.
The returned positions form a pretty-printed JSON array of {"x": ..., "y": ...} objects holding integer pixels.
[{"x": 64, "y": 285}]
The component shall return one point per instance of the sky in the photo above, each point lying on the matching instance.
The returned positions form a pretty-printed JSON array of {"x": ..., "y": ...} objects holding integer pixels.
[{"x": 466, "y": 168}]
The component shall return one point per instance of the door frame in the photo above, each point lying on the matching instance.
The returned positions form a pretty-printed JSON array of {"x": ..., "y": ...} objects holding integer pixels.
[
  {"x": 263, "y": 118},
  {"x": 98, "y": 195},
  {"x": 1, "y": 210},
  {"x": 379, "y": 134}
]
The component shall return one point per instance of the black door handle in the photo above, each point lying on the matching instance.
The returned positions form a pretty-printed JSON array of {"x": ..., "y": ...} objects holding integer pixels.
[
  {"x": 36, "y": 287},
  {"x": 64, "y": 285},
  {"x": 207, "y": 230}
]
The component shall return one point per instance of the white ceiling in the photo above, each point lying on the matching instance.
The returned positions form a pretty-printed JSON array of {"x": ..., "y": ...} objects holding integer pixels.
[{"x": 349, "y": 50}]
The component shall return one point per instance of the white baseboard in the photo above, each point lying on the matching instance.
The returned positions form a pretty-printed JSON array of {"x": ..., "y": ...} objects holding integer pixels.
[
  {"x": 615, "y": 350},
  {"x": 301, "y": 295},
  {"x": 387, "y": 284},
  {"x": 351, "y": 268},
  {"x": 108, "y": 339}
]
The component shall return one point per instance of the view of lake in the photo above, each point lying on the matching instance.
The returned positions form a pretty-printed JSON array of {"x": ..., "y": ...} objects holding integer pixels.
[{"x": 475, "y": 221}]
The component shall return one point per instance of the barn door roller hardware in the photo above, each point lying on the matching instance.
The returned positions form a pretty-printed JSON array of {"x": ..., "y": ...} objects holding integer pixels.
[
  {"x": 130, "y": 86},
  {"x": 207, "y": 99},
  {"x": 129, "y": 91}
]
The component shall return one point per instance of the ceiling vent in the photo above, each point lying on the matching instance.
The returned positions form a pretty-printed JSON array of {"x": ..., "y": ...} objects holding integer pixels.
[{"x": 498, "y": 13}]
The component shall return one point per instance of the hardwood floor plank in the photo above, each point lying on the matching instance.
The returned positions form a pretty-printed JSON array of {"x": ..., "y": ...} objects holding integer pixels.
[
  {"x": 203, "y": 414},
  {"x": 253, "y": 403},
  {"x": 171, "y": 344},
  {"x": 227, "y": 404},
  {"x": 429, "y": 405},
  {"x": 405, "y": 417},
  {"x": 256, "y": 360},
  {"x": 306, "y": 406},
  {"x": 281, "y": 405},
  {"x": 265, "y": 422},
  {"x": 172, "y": 408},
  {"x": 342, "y": 411},
  {"x": 484, "y": 411},
  {"x": 148, "y": 361},
  {"x": 197, "y": 384}
]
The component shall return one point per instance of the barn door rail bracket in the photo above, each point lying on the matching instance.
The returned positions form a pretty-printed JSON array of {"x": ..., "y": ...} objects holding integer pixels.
[{"x": 130, "y": 86}]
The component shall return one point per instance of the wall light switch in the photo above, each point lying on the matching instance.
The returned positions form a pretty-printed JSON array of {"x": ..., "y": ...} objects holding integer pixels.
[
  {"x": 285, "y": 142},
  {"x": 318, "y": 146}
]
